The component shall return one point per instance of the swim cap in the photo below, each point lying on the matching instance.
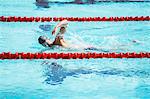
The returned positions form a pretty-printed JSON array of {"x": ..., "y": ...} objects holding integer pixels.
[{"x": 42, "y": 39}]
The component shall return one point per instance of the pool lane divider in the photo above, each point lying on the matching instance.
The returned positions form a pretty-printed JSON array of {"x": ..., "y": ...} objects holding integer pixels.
[
  {"x": 9, "y": 55},
  {"x": 74, "y": 19}
]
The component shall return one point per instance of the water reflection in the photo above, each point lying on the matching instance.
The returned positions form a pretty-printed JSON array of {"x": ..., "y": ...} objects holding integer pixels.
[
  {"x": 55, "y": 73},
  {"x": 45, "y": 27}
]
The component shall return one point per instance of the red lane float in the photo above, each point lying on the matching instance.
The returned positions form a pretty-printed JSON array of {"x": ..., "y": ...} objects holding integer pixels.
[
  {"x": 76, "y": 19},
  {"x": 8, "y": 55}
]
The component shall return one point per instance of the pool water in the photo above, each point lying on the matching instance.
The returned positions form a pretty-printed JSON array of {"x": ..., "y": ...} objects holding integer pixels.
[{"x": 80, "y": 78}]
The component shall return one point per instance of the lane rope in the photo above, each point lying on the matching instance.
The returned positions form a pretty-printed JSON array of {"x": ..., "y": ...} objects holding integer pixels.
[
  {"x": 75, "y": 19},
  {"x": 9, "y": 55}
]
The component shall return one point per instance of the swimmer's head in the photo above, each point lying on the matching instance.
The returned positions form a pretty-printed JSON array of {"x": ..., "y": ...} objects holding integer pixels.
[
  {"x": 63, "y": 30},
  {"x": 44, "y": 41}
]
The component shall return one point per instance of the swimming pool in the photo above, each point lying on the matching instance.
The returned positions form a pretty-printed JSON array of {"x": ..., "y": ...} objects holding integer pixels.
[{"x": 75, "y": 79}]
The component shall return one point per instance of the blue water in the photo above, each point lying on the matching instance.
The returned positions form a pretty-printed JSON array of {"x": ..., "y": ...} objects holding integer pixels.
[{"x": 75, "y": 79}]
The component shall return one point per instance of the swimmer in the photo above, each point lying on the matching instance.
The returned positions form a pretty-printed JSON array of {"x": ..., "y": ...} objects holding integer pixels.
[
  {"x": 59, "y": 40},
  {"x": 81, "y": 1},
  {"x": 78, "y": 1},
  {"x": 42, "y": 3}
]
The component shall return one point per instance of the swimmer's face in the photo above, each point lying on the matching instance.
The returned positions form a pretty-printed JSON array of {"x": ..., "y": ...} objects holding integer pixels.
[{"x": 63, "y": 30}]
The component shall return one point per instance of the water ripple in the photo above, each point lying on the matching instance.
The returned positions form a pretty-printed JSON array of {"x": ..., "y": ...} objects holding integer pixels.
[{"x": 55, "y": 73}]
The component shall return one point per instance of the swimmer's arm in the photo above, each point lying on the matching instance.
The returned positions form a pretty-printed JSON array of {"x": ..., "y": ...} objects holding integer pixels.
[
  {"x": 63, "y": 43},
  {"x": 64, "y": 22}
]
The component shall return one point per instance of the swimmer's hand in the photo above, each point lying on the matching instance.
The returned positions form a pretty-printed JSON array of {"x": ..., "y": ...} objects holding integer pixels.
[
  {"x": 63, "y": 23},
  {"x": 53, "y": 32}
]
